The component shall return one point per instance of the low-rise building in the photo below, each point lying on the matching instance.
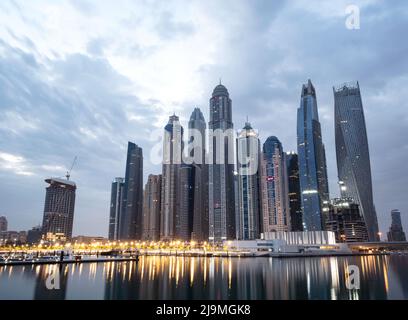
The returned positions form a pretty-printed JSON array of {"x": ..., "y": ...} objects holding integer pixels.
[
  {"x": 291, "y": 243},
  {"x": 344, "y": 219}
]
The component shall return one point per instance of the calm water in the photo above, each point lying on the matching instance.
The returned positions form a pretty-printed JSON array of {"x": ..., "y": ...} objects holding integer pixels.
[{"x": 384, "y": 277}]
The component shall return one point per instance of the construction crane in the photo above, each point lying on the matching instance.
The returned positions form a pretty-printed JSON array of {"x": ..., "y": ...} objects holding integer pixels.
[{"x": 68, "y": 175}]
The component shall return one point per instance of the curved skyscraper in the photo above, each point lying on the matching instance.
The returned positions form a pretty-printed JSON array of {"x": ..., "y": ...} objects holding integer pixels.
[
  {"x": 353, "y": 159},
  {"x": 221, "y": 167},
  {"x": 312, "y": 162}
]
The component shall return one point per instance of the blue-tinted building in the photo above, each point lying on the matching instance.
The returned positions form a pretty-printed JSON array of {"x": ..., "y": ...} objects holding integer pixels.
[
  {"x": 312, "y": 162},
  {"x": 115, "y": 207},
  {"x": 248, "y": 160}
]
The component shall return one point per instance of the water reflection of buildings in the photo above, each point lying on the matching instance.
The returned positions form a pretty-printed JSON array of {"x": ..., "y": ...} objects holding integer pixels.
[
  {"x": 41, "y": 292},
  {"x": 245, "y": 278},
  {"x": 184, "y": 278}
]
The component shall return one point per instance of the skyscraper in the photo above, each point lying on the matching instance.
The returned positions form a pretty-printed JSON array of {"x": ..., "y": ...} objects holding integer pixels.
[
  {"x": 172, "y": 159},
  {"x": 274, "y": 182},
  {"x": 295, "y": 199},
  {"x": 3, "y": 224},
  {"x": 130, "y": 227},
  {"x": 345, "y": 220},
  {"x": 248, "y": 159},
  {"x": 116, "y": 204},
  {"x": 221, "y": 167},
  {"x": 353, "y": 158},
  {"x": 312, "y": 162},
  {"x": 185, "y": 193},
  {"x": 151, "y": 208},
  {"x": 197, "y": 128},
  {"x": 59, "y": 209},
  {"x": 396, "y": 232}
]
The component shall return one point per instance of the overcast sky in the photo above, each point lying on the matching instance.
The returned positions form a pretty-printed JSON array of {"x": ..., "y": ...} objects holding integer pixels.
[{"x": 82, "y": 78}]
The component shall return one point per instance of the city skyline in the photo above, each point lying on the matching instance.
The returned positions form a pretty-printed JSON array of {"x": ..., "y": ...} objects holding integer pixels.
[{"x": 99, "y": 130}]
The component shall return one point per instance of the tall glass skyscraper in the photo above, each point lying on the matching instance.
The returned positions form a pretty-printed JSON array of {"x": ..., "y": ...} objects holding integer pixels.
[
  {"x": 353, "y": 158},
  {"x": 116, "y": 204},
  {"x": 185, "y": 203},
  {"x": 197, "y": 128},
  {"x": 312, "y": 161},
  {"x": 151, "y": 208},
  {"x": 172, "y": 160},
  {"x": 295, "y": 199},
  {"x": 221, "y": 167},
  {"x": 131, "y": 213},
  {"x": 274, "y": 182},
  {"x": 248, "y": 150}
]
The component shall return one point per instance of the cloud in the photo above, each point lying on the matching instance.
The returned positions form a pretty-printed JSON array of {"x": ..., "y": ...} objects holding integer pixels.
[
  {"x": 14, "y": 163},
  {"x": 81, "y": 78}
]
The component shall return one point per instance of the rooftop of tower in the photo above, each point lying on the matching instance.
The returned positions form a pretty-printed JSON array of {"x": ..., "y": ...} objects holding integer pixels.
[
  {"x": 173, "y": 118},
  {"x": 247, "y": 126},
  {"x": 346, "y": 86},
  {"x": 308, "y": 89},
  {"x": 220, "y": 90},
  {"x": 247, "y": 131},
  {"x": 197, "y": 115},
  {"x": 61, "y": 182}
]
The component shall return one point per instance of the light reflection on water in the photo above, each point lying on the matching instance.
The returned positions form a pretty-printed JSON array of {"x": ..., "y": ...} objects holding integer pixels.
[{"x": 382, "y": 277}]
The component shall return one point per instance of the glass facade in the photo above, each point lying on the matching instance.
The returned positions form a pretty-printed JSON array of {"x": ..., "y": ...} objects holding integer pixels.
[
  {"x": 353, "y": 158},
  {"x": 221, "y": 170},
  {"x": 248, "y": 147},
  {"x": 295, "y": 201},
  {"x": 274, "y": 185},
  {"x": 116, "y": 204},
  {"x": 312, "y": 161},
  {"x": 172, "y": 156},
  {"x": 131, "y": 213}
]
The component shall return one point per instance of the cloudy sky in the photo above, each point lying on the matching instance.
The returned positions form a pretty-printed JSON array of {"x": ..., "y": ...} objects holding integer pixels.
[{"x": 81, "y": 78}]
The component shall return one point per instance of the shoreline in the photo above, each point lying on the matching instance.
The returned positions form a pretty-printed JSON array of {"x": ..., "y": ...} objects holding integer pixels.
[{"x": 229, "y": 255}]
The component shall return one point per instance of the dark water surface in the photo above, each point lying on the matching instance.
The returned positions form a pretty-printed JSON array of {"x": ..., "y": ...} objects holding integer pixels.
[{"x": 381, "y": 277}]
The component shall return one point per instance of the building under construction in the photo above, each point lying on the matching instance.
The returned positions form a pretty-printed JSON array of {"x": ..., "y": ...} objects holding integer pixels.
[{"x": 59, "y": 210}]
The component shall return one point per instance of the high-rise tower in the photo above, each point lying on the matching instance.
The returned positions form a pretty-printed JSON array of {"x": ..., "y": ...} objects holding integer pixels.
[
  {"x": 274, "y": 182},
  {"x": 295, "y": 199},
  {"x": 131, "y": 213},
  {"x": 3, "y": 224},
  {"x": 151, "y": 208},
  {"x": 172, "y": 160},
  {"x": 312, "y": 162},
  {"x": 353, "y": 157},
  {"x": 59, "y": 210},
  {"x": 248, "y": 162},
  {"x": 116, "y": 204},
  {"x": 197, "y": 138},
  {"x": 396, "y": 232},
  {"x": 221, "y": 167}
]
